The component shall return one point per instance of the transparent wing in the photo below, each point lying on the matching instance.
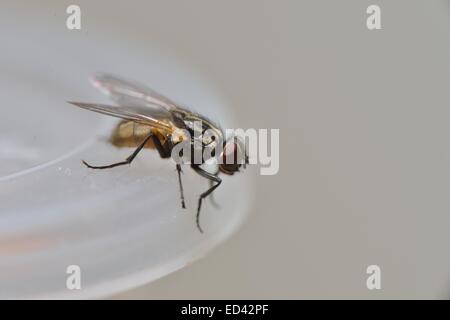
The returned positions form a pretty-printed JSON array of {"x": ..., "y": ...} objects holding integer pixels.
[
  {"x": 127, "y": 93},
  {"x": 136, "y": 102},
  {"x": 140, "y": 114}
]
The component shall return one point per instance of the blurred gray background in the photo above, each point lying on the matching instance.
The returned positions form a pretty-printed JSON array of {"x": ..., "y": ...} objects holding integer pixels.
[{"x": 364, "y": 156}]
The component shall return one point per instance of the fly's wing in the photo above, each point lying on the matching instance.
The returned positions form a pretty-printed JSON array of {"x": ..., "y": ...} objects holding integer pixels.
[
  {"x": 143, "y": 115},
  {"x": 148, "y": 102},
  {"x": 136, "y": 102},
  {"x": 127, "y": 93}
]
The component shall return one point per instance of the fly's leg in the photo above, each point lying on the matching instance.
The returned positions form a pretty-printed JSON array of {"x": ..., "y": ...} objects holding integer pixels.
[
  {"x": 127, "y": 160},
  {"x": 211, "y": 197},
  {"x": 183, "y": 205},
  {"x": 210, "y": 177},
  {"x": 164, "y": 151}
]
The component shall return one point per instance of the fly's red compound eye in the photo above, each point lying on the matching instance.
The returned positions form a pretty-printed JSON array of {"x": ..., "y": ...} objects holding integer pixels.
[{"x": 230, "y": 158}]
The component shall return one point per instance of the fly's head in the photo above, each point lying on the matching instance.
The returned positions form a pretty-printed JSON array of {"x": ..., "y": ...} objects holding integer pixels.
[{"x": 234, "y": 156}]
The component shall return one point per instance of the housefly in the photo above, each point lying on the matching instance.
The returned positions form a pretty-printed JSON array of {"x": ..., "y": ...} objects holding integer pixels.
[{"x": 149, "y": 120}]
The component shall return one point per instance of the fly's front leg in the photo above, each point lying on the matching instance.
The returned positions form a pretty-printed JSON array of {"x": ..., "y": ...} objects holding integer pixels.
[
  {"x": 211, "y": 197},
  {"x": 127, "y": 160},
  {"x": 183, "y": 205},
  {"x": 210, "y": 177}
]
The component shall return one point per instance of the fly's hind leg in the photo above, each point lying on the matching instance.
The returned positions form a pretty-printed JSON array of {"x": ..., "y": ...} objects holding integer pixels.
[
  {"x": 210, "y": 177},
  {"x": 127, "y": 160}
]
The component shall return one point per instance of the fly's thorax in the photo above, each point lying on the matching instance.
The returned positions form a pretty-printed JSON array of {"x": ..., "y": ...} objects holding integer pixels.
[
  {"x": 195, "y": 137},
  {"x": 180, "y": 135},
  {"x": 203, "y": 130}
]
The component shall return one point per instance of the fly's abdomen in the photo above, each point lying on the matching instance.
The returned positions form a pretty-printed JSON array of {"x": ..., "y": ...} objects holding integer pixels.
[{"x": 131, "y": 134}]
